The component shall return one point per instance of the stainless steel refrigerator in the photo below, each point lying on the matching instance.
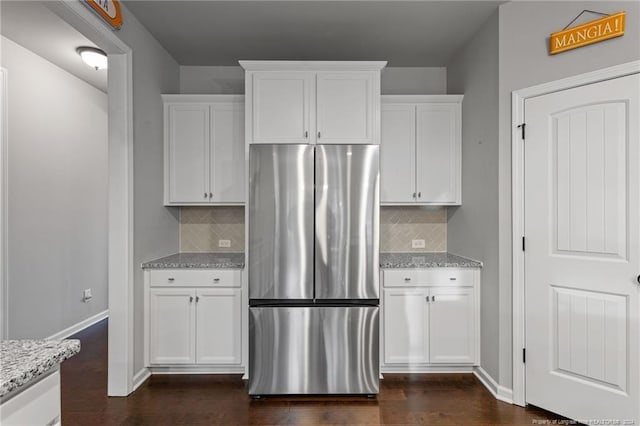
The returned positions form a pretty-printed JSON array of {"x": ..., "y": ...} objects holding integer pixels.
[{"x": 313, "y": 269}]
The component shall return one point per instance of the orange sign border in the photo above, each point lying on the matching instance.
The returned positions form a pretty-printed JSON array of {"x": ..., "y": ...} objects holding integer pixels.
[
  {"x": 609, "y": 18},
  {"x": 115, "y": 22}
]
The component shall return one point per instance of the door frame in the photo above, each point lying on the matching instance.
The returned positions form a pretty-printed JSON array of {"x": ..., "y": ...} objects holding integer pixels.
[
  {"x": 518, "y": 98},
  {"x": 120, "y": 215}
]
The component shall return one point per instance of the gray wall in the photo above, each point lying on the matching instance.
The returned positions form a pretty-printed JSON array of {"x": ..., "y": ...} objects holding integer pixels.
[
  {"x": 524, "y": 61},
  {"x": 473, "y": 227},
  {"x": 394, "y": 81},
  {"x": 155, "y": 227},
  {"x": 57, "y": 196}
]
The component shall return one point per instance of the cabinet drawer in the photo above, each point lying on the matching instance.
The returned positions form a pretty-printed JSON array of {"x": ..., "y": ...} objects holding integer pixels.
[
  {"x": 196, "y": 278},
  {"x": 428, "y": 277}
]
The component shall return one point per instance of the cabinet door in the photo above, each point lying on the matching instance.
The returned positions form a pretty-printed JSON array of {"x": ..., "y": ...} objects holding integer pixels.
[
  {"x": 451, "y": 325},
  {"x": 438, "y": 153},
  {"x": 281, "y": 107},
  {"x": 346, "y": 107},
  {"x": 397, "y": 153},
  {"x": 171, "y": 326},
  {"x": 406, "y": 330},
  {"x": 219, "y": 330},
  {"x": 188, "y": 144},
  {"x": 227, "y": 153}
]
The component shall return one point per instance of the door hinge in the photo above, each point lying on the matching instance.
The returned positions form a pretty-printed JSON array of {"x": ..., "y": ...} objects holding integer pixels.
[
  {"x": 524, "y": 355},
  {"x": 521, "y": 127},
  {"x": 522, "y": 243}
]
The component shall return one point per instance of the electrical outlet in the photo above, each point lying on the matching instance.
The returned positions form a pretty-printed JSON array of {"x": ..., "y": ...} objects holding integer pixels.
[
  {"x": 86, "y": 295},
  {"x": 417, "y": 243},
  {"x": 224, "y": 243}
]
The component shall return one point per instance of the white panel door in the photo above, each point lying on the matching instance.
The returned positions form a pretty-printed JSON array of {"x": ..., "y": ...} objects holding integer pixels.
[
  {"x": 227, "y": 153},
  {"x": 171, "y": 326},
  {"x": 406, "y": 327},
  {"x": 282, "y": 107},
  {"x": 219, "y": 326},
  {"x": 437, "y": 153},
  {"x": 398, "y": 153},
  {"x": 188, "y": 129},
  {"x": 452, "y": 325},
  {"x": 345, "y": 107},
  {"x": 582, "y": 254}
]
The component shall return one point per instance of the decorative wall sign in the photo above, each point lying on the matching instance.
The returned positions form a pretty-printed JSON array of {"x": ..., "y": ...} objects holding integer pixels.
[
  {"x": 109, "y": 10},
  {"x": 609, "y": 26}
]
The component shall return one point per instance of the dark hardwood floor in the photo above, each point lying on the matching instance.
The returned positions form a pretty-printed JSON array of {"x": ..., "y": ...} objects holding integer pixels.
[{"x": 443, "y": 399}]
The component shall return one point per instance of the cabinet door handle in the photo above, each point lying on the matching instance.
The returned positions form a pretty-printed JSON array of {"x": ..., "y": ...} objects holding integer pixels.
[
  {"x": 433, "y": 298},
  {"x": 210, "y": 195},
  {"x": 419, "y": 194},
  {"x": 190, "y": 299},
  {"x": 205, "y": 195},
  {"x": 414, "y": 195},
  {"x": 427, "y": 299},
  {"x": 197, "y": 299},
  {"x": 306, "y": 134},
  {"x": 318, "y": 135}
]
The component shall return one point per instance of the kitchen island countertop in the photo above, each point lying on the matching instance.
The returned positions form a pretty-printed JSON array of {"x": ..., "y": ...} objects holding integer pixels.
[
  {"x": 197, "y": 261},
  {"x": 22, "y": 361},
  {"x": 426, "y": 260}
]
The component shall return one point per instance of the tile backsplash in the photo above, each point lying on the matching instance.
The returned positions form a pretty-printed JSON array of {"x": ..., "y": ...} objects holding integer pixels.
[
  {"x": 400, "y": 225},
  {"x": 202, "y": 227}
]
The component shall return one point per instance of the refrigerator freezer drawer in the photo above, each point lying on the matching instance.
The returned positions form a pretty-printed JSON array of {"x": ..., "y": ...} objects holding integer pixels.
[{"x": 313, "y": 350}]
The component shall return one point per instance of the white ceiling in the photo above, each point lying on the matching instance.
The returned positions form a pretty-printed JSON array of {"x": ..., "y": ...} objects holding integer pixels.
[
  {"x": 420, "y": 33},
  {"x": 32, "y": 25},
  {"x": 405, "y": 33}
]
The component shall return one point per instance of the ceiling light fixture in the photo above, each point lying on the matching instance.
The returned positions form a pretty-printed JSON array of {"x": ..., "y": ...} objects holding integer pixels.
[{"x": 93, "y": 57}]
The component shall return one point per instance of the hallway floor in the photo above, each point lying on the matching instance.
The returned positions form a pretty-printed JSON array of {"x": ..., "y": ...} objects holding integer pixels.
[{"x": 442, "y": 399}]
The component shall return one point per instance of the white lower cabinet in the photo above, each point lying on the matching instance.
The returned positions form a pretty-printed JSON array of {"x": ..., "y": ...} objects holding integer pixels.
[
  {"x": 194, "y": 319},
  {"x": 218, "y": 337},
  {"x": 430, "y": 319}
]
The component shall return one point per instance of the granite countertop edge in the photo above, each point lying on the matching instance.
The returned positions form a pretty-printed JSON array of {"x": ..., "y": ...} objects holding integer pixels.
[
  {"x": 25, "y": 360},
  {"x": 185, "y": 260},
  {"x": 426, "y": 260}
]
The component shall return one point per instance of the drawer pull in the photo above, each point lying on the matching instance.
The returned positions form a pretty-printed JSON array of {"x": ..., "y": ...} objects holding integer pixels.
[
  {"x": 216, "y": 280},
  {"x": 171, "y": 279},
  {"x": 407, "y": 279},
  {"x": 452, "y": 279}
]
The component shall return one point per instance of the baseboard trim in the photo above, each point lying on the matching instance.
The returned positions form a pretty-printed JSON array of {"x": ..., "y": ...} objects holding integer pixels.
[
  {"x": 391, "y": 369},
  {"x": 140, "y": 377},
  {"x": 176, "y": 369},
  {"x": 501, "y": 393},
  {"x": 69, "y": 331}
]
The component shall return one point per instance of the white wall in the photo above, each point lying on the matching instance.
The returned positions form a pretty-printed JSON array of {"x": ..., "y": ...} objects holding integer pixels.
[
  {"x": 57, "y": 195},
  {"x": 394, "y": 81},
  {"x": 524, "y": 61},
  {"x": 473, "y": 227},
  {"x": 155, "y": 227}
]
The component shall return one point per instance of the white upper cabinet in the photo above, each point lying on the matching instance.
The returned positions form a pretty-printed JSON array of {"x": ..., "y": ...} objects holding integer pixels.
[
  {"x": 312, "y": 102},
  {"x": 397, "y": 153},
  {"x": 204, "y": 149},
  {"x": 420, "y": 160},
  {"x": 281, "y": 107},
  {"x": 188, "y": 135},
  {"x": 345, "y": 107}
]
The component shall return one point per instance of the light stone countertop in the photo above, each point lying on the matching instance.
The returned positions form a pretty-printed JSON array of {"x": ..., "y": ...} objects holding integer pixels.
[
  {"x": 426, "y": 260},
  {"x": 197, "y": 261},
  {"x": 22, "y": 361}
]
